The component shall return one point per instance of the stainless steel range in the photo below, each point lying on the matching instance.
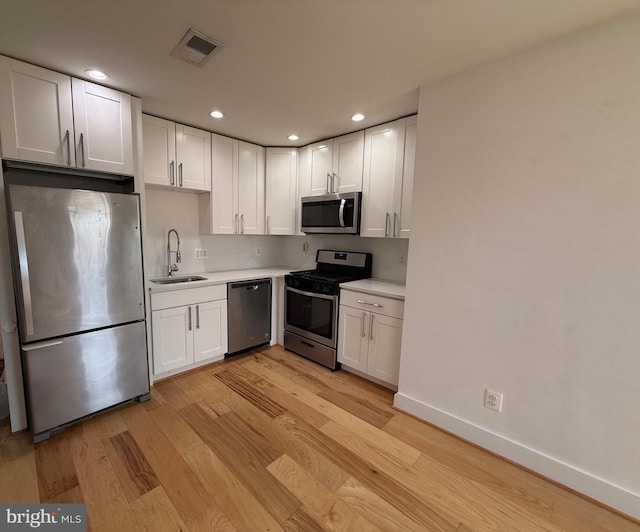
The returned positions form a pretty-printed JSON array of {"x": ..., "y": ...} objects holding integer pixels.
[{"x": 311, "y": 303}]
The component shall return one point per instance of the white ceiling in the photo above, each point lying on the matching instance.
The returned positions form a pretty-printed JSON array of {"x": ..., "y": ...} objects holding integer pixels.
[{"x": 288, "y": 66}]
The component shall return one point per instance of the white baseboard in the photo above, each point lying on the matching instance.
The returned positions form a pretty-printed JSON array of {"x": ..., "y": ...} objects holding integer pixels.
[{"x": 597, "y": 488}]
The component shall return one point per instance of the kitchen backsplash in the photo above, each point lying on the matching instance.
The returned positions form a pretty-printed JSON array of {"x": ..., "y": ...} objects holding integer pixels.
[{"x": 168, "y": 209}]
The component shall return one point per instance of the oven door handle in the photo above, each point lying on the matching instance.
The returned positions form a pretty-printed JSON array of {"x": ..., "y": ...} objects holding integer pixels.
[{"x": 311, "y": 294}]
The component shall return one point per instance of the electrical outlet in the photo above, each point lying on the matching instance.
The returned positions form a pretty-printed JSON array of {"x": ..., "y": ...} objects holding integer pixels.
[
  {"x": 305, "y": 248},
  {"x": 258, "y": 251},
  {"x": 493, "y": 400},
  {"x": 201, "y": 253},
  {"x": 403, "y": 260}
]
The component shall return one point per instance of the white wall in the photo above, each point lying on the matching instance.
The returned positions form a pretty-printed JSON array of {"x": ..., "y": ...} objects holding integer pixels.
[{"x": 525, "y": 260}]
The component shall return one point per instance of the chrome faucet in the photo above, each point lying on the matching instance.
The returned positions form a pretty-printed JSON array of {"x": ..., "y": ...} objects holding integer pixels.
[{"x": 172, "y": 267}]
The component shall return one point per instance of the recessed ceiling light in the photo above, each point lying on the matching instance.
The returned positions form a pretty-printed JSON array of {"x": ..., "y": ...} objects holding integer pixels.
[
  {"x": 357, "y": 117},
  {"x": 217, "y": 114},
  {"x": 293, "y": 137},
  {"x": 97, "y": 74}
]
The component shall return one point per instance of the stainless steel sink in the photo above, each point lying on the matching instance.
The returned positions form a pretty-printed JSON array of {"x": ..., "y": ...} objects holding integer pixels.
[{"x": 178, "y": 279}]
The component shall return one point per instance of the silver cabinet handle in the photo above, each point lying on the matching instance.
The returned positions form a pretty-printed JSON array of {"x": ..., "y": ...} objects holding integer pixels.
[
  {"x": 242, "y": 224},
  {"x": 328, "y": 183},
  {"x": 197, "y": 316},
  {"x": 235, "y": 229},
  {"x": 180, "y": 174},
  {"x": 373, "y": 317},
  {"x": 68, "y": 139},
  {"x": 333, "y": 182},
  {"x": 24, "y": 272},
  {"x": 172, "y": 173},
  {"x": 387, "y": 219},
  {"x": 395, "y": 224},
  {"x": 362, "y": 302},
  {"x": 190, "y": 328},
  {"x": 364, "y": 326},
  {"x": 268, "y": 224},
  {"x": 82, "y": 161}
]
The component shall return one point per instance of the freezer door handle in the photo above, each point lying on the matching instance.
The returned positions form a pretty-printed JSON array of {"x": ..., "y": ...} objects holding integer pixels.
[
  {"x": 41, "y": 345},
  {"x": 24, "y": 273}
]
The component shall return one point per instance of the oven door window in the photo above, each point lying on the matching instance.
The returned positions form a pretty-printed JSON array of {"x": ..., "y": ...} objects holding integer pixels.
[{"x": 312, "y": 314}]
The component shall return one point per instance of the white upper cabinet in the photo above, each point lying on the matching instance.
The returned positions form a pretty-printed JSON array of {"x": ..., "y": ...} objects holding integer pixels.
[
  {"x": 389, "y": 152},
  {"x": 236, "y": 202},
  {"x": 49, "y": 118},
  {"x": 335, "y": 165},
  {"x": 176, "y": 155},
  {"x": 102, "y": 120},
  {"x": 280, "y": 196}
]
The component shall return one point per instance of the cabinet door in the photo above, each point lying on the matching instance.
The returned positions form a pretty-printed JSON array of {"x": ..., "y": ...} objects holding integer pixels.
[
  {"x": 193, "y": 154},
  {"x": 172, "y": 338},
  {"x": 347, "y": 162},
  {"x": 210, "y": 330},
  {"x": 383, "y": 150},
  {"x": 224, "y": 166},
  {"x": 36, "y": 114},
  {"x": 319, "y": 167},
  {"x": 404, "y": 216},
  {"x": 385, "y": 339},
  {"x": 280, "y": 191},
  {"x": 159, "y": 147},
  {"x": 103, "y": 132},
  {"x": 303, "y": 187},
  {"x": 353, "y": 337},
  {"x": 250, "y": 191}
]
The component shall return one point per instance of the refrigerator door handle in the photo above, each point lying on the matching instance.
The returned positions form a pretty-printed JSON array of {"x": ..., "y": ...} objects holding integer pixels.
[
  {"x": 40, "y": 345},
  {"x": 24, "y": 273}
]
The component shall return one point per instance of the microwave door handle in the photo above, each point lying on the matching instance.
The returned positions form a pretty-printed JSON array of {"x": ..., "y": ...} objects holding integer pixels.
[
  {"x": 24, "y": 273},
  {"x": 341, "y": 212}
]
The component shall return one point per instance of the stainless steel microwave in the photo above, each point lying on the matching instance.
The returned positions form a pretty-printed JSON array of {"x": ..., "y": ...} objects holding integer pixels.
[{"x": 332, "y": 213}]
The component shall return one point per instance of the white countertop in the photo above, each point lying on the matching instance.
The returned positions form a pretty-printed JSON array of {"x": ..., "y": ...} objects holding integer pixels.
[
  {"x": 378, "y": 287},
  {"x": 213, "y": 278}
]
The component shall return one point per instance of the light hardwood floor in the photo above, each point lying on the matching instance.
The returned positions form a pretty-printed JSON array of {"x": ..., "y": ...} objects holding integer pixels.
[{"x": 271, "y": 441}]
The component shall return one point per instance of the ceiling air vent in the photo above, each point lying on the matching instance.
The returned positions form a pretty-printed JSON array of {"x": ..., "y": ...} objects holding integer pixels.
[{"x": 196, "y": 48}]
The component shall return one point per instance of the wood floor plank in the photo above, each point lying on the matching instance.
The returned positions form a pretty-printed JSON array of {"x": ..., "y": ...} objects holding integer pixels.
[
  {"x": 303, "y": 521},
  {"x": 321, "y": 467},
  {"x": 211, "y": 520},
  {"x": 375, "y": 508},
  {"x": 321, "y": 503},
  {"x": 173, "y": 393},
  {"x": 377, "y": 481},
  {"x": 175, "y": 428},
  {"x": 154, "y": 512},
  {"x": 292, "y": 404},
  {"x": 250, "y": 393},
  {"x": 246, "y": 453},
  {"x": 18, "y": 470},
  {"x": 156, "y": 400},
  {"x": 136, "y": 475},
  {"x": 205, "y": 391},
  {"x": 358, "y": 407},
  {"x": 107, "y": 505},
  {"x": 514, "y": 483},
  {"x": 181, "y": 484},
  {"x": 376, "y": 436},
  {"x": 232, "y": 497},
  {"x": 56, "y": 470}
]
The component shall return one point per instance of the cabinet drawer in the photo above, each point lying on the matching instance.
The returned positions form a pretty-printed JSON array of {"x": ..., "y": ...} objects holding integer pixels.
[
  {"x": 188, "y": 296},
  {"x": 372, "y": 303}
]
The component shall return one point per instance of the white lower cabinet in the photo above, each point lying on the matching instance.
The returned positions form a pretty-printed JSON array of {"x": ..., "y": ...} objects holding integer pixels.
[
  {"x": 370, "y": 335},
  {"x": 189, "y": 328}
]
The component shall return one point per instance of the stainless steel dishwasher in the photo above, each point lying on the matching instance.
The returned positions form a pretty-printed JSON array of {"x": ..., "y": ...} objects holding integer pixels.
[{"x": 249, "y": 314}]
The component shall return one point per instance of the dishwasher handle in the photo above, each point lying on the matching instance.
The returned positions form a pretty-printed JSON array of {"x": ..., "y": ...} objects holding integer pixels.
[{"x": 253, "y": 284}]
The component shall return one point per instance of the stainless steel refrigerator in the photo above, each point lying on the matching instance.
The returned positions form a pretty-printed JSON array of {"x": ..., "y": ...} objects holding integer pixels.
[{"x": 77, "y": 267}]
